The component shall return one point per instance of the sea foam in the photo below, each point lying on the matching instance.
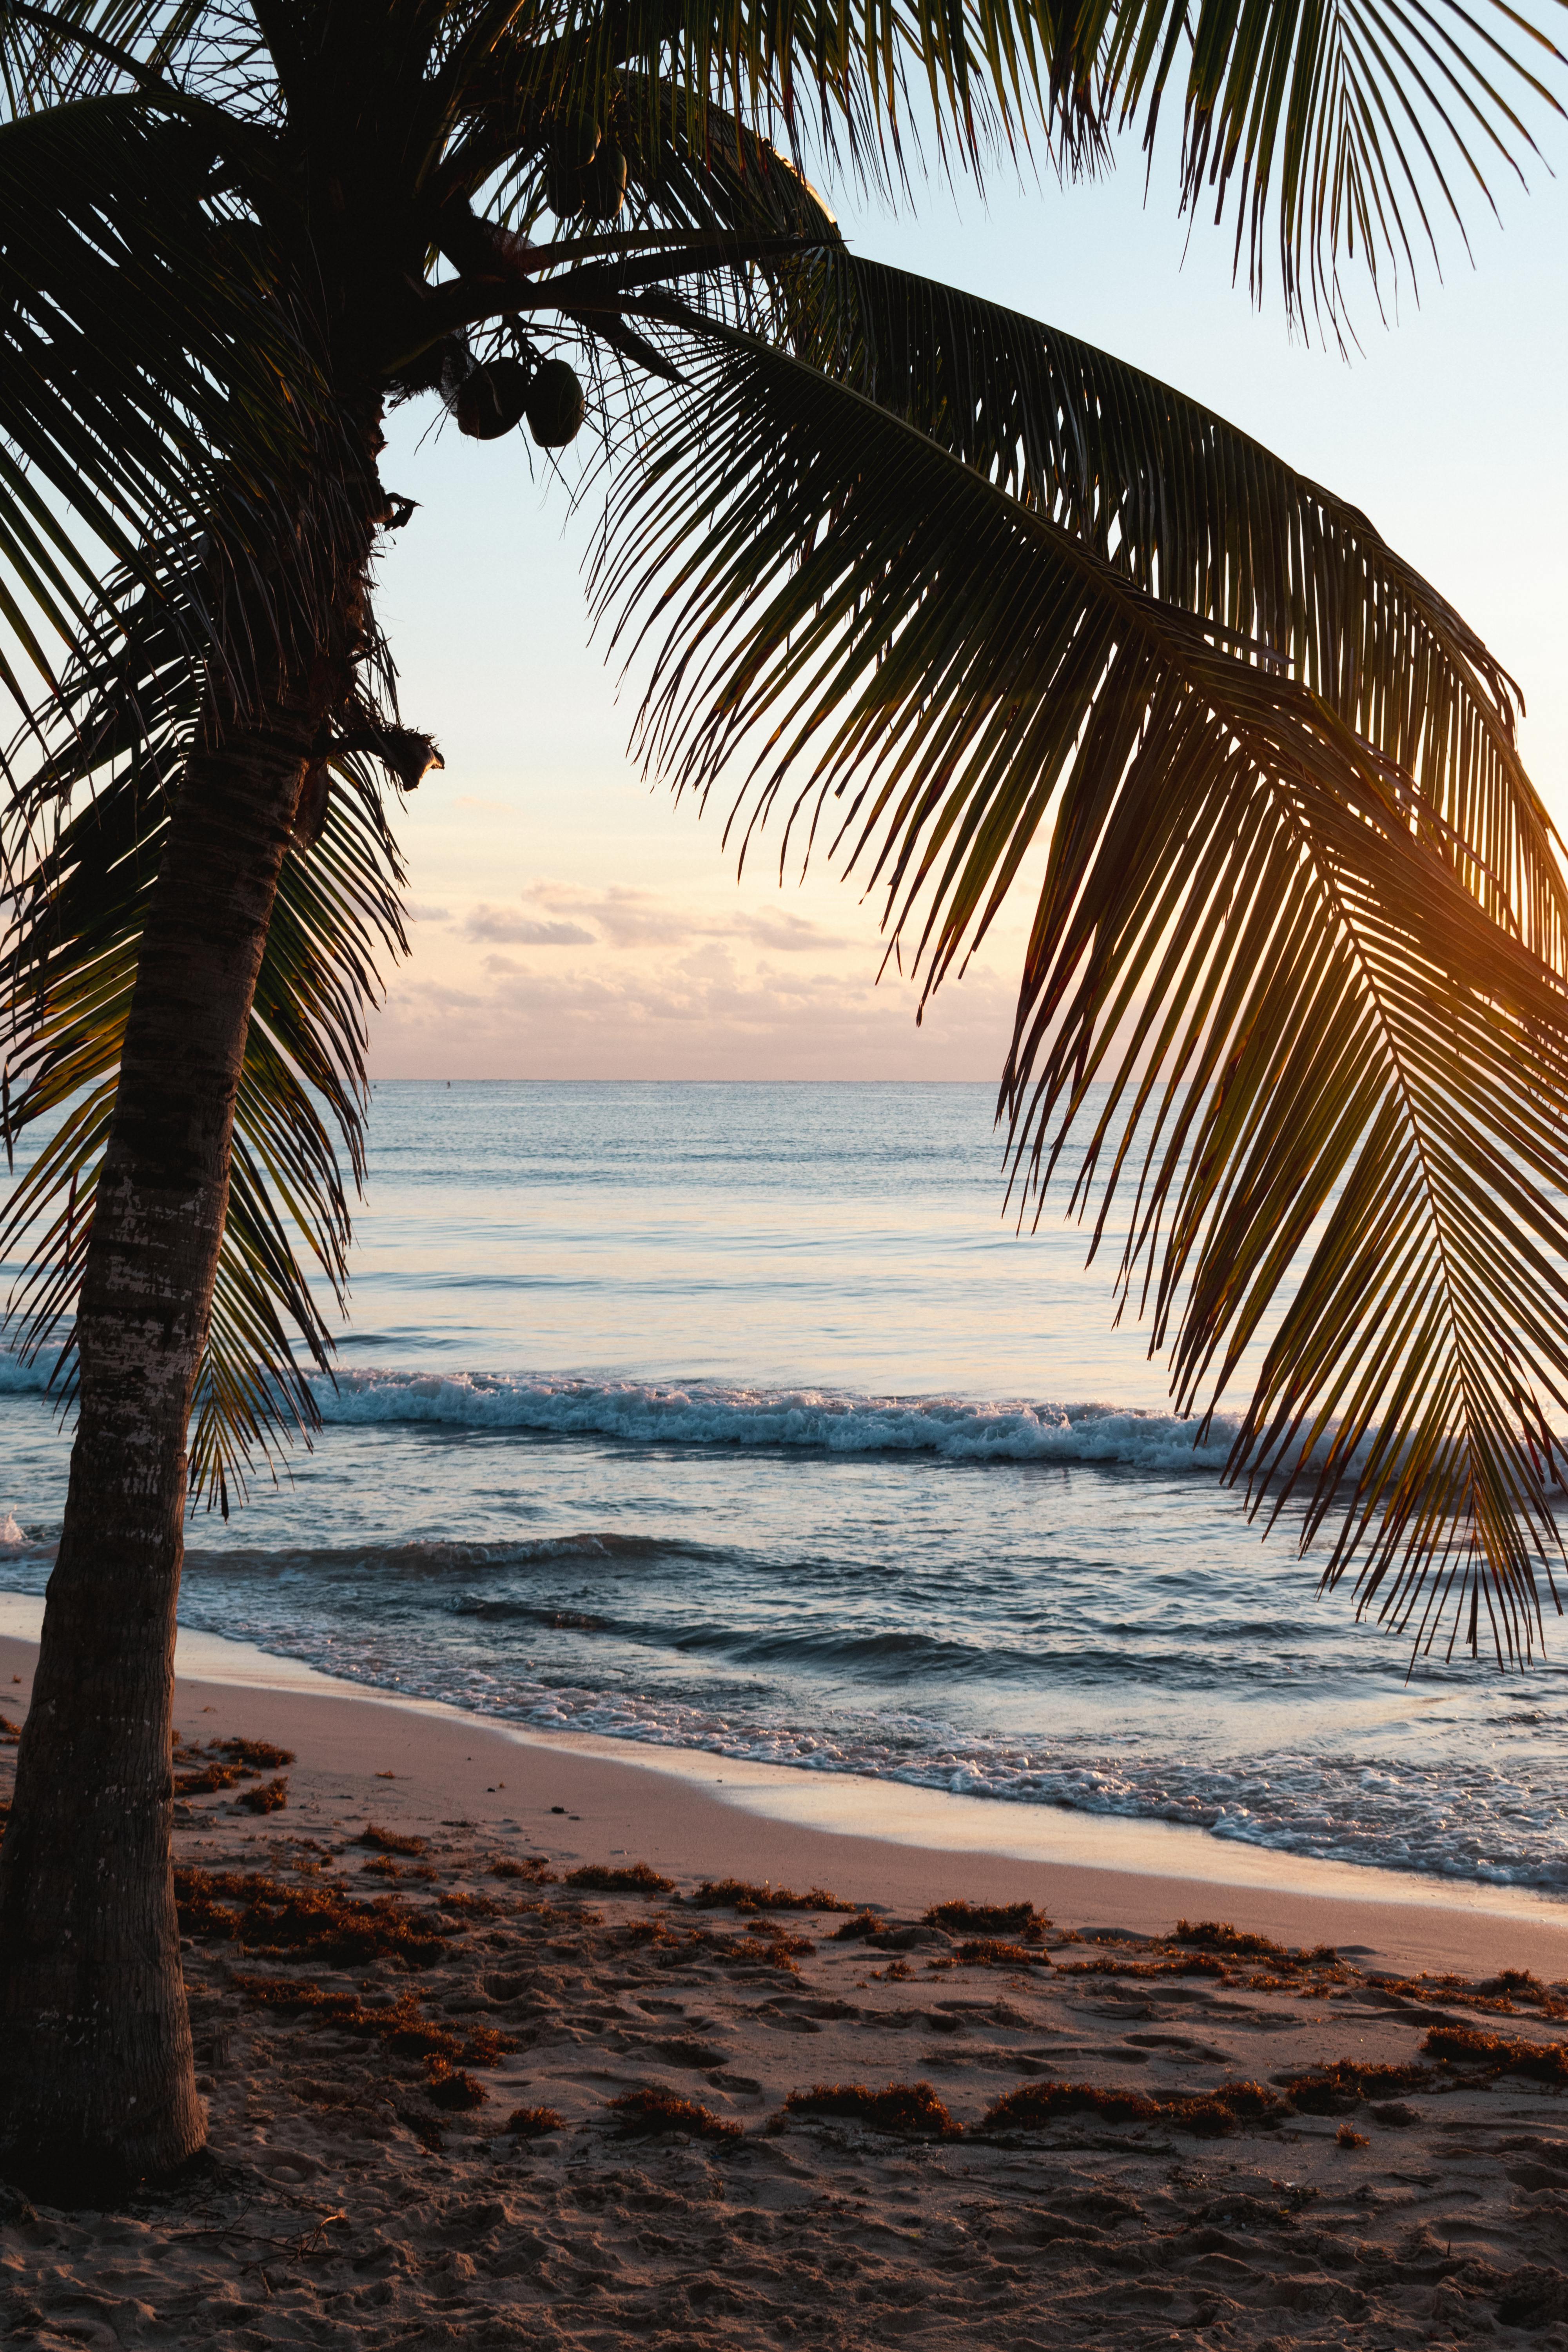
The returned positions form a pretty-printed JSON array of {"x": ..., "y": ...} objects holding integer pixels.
[{"x": 704, "y": 1414}]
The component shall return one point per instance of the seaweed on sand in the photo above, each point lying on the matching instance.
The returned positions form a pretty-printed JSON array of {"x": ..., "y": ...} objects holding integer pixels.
[
  {"x": 1207, "y": 2114},
  {"x": 762, "y": 1946},
  {"x": 451, "y": 2087},
  {"x": 631, "y": 1878},
  {"x": 987, "y": 1952},
  {"x": 1501, "y": 2053},
  {"x": 262, "y": 1914},
  {"x": 533, "y": 2123},
  {"x": 1010, "y": 1919},
  {"x": 271, "y": 1797},
  {"x": 640, "y": 2115},
  {"x": 746, "y": 1894},
  {"x": 908, "y": 2110},
  {"x": 859, "y": 1929},
  {"x": 399, "y": 2025},
  {"x": 1187, "y": 1964},
  {"x": 390, "y": 1840},
  {"x": 224, "y": 1762},
  {"x": 1219, "y": 1935},
  {"x": 1334, "y": 2087},
  {"x": 532, "y": 1866}
]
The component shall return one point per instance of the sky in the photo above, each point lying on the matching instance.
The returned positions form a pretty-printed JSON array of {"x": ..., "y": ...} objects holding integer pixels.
[{"x": 572, "y": 921}]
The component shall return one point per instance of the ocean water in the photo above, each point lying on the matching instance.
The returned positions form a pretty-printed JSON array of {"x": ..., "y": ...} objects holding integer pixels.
[{"x": 741, "y": 1418}]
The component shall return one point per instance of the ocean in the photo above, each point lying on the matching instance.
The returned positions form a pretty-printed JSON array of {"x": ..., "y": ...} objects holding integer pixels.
[{"x": 741, "y": 1418}]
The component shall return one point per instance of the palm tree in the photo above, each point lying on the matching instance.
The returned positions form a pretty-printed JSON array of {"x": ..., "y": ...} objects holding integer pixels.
[{"x": 939, "y": 573}]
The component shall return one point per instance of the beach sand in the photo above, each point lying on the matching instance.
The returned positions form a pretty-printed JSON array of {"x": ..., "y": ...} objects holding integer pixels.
[{"x": 389, "y": 1967}]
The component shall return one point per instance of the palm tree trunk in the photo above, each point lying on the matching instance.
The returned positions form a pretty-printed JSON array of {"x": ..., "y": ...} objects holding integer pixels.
[{"x": 96, "y": 2074}]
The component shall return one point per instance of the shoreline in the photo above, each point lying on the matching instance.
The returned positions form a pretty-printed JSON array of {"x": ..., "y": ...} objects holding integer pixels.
[{"x": 414, "y": 1763}]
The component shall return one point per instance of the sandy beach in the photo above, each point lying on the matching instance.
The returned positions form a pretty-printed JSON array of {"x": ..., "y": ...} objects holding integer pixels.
[{"x": 498, "y": 2050}]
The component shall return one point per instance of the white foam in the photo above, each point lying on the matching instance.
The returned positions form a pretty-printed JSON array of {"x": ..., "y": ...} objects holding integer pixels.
[{"x": 701, "y": 1413}]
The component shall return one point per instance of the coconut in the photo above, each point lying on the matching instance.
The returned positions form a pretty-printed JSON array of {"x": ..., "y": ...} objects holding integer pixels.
[
  {"x": 575, "y": 142},
  {"x": 492, "y": 400},
  {"x": 604, "y": 184},
  {"x": 563, "y": 191},
  {"x": 555, "y": 406}
]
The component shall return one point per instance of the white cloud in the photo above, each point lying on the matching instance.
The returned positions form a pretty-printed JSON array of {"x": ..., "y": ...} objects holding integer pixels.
[
  {"x": 525, "y": 931},
  {"x": 417, "y": 914}
]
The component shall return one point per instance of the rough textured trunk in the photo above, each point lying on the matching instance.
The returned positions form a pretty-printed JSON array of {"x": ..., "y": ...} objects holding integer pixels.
[{"x": 95, "y": 2074}]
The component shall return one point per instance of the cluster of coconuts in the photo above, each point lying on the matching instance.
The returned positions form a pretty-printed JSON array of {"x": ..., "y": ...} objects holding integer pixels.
[
  {"x": 585, "y": 172},
  {"x": 498, "y": 395}
]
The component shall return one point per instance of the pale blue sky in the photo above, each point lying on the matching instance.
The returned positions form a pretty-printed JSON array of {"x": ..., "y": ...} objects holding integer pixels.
[{"x": 577, "y": 925}]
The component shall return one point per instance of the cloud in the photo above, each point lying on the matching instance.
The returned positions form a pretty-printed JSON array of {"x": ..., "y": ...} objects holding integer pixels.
[
  {"x": 525, "y": 931},
  {"x": 790, "y": 934},
  {"x": 626, "y": 917},
  {"x": 417, "y": 914},
  {"x": 697, "y": 1018}
]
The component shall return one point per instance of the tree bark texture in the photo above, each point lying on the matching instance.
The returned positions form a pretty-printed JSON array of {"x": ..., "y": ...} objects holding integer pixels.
[{"x": 97, "y": 2080}]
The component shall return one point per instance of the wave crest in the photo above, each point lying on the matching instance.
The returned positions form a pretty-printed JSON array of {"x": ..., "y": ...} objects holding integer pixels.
[{"x": 700, "y": 1413}]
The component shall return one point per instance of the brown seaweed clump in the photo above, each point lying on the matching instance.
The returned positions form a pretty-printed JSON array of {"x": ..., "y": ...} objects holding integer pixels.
[
  {"x": 1206, "y": 2115},
  {"x": 908, "y": 2110},
  {"x": 1501, "y": 2054},
  {"x": 1335, "y": 2087},
  {"x": 400, "y": 2024},
  {"x": 222, "y": 1762},
  {"x": 1190, "y": 1964},
  {"x": 640, "y": 2115},
  {"x": 323, "y": 1922},
  {"x": 633, "y": 1878},
  {"x": 532, "y": 1866},
  {"x": 987, "y": 1952},
  {"x": 382, "y": 1866},
  {"x": 533, "y": 2123},
  {"x": 1219, "y": 1935},
  {"x": 390, "y": 1840},
  {"x": 271, "y": 1797},
  {"x": 1010, "y": 1919},
  {"x": 451, "y": 2087},
  {"x": 859, "y": 1929},
  {"x": 746, "y": 1894}
]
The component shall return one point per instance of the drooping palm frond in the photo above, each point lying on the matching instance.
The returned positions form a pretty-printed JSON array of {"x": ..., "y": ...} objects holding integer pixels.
[
  {"x": 175, "y": 488},
  {"x": 1313, "y": 1033},
  {"x": 67, "y": 972},
  {"x": 1333, "y": 132},
  {"x": 1204, "y": 517}
]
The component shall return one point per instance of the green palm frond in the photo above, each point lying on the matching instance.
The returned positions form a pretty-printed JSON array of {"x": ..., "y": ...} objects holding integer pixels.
[{"x": 1313, "y": 1034}]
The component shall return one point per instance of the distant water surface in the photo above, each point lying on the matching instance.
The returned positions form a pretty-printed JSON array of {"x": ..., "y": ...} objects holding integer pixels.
[{"x": 739, "y": 1417}]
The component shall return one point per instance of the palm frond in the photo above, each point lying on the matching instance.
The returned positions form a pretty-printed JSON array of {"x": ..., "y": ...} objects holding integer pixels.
[
  {"x": 1201, "y": 516},
  {"x": 1332, "y": 132},
  {"x": 67, "y": 974},
  {"x": 1312, "y": 1034},
  {"x": 156, "y": 388}
]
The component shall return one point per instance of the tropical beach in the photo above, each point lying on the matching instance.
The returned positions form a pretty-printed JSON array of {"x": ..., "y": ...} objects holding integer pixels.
[
  {"x": 608, "y": 2051},
  {"x": 796, "y": 1577}
]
